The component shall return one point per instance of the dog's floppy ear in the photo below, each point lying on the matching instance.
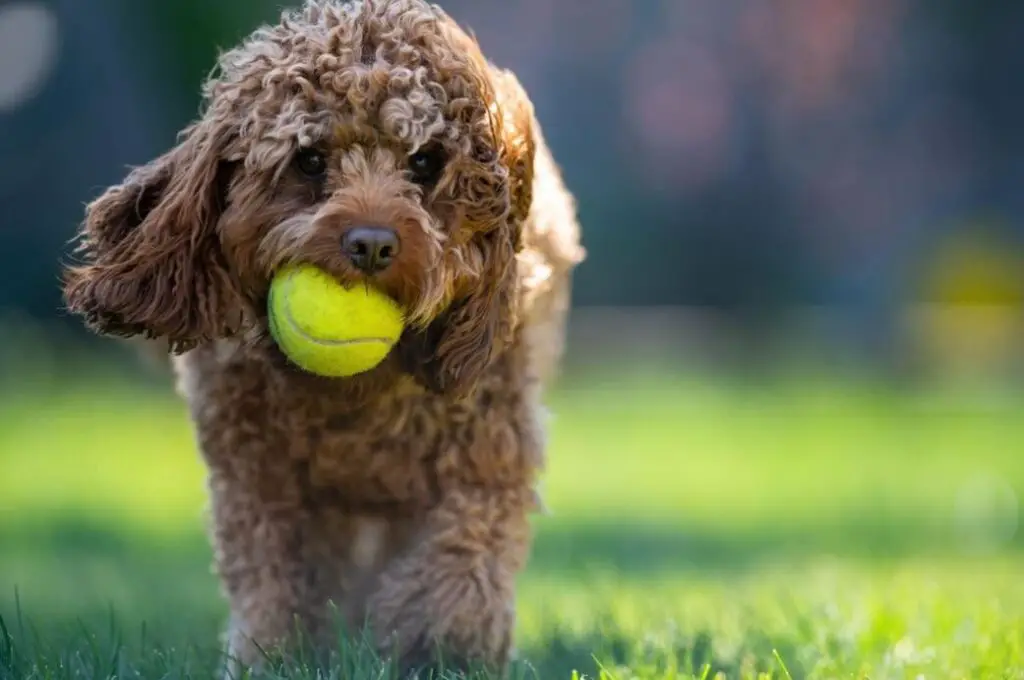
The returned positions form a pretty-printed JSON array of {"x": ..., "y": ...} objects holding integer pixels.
[
  {"x": 152, "y": 262},
  {"x": 476, "y": 327}
]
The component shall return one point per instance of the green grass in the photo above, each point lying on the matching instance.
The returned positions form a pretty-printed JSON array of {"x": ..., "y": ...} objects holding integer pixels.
[{"x": 799, "y": 529}]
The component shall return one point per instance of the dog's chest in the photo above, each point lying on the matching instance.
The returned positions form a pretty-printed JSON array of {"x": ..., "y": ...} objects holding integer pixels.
[
  {"x": 385, "y": 452},
  {"x": 398, "y": 449}
]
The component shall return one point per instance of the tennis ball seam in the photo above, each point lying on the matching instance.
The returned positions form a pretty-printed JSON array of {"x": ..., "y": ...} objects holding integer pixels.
[
  {"x": 326, "y": 342},
  {"x": 313, "y": 316}
]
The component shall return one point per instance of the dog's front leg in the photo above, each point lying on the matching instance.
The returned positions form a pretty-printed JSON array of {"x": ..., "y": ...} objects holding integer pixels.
[
  {"x": 450, "y": 601},
  {"x": 265, "y": 542}
]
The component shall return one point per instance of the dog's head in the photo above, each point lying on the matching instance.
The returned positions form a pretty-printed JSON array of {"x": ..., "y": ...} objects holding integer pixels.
[{"x": 372, "y": 139}]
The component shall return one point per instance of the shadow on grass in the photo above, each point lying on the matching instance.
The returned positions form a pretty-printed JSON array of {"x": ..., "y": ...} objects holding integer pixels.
[
  {"x": 74, "y": 552},
  {"x": 560, "y": 546},
  {"x": 642, "y": 549}
]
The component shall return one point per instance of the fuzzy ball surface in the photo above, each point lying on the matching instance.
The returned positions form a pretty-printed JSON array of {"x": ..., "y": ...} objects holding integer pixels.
[{"x": 327, "y": 329}]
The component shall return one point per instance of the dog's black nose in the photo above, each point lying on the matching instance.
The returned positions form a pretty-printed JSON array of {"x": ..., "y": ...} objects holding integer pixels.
[{"x": 371, "y": 249}]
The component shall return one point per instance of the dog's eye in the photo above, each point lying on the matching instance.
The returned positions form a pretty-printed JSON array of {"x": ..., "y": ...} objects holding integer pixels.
[
  {"x": 427, "y": 165},
  {"x": 311, "y": 163}
]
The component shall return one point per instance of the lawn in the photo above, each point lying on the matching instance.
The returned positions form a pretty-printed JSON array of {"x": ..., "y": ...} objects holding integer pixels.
[{"x": 799, "y": 528}]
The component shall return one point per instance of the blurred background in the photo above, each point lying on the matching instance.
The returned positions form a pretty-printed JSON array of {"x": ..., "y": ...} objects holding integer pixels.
[
  {"x": 805, "y": 232},
  {"x": 849, "y": 171}
]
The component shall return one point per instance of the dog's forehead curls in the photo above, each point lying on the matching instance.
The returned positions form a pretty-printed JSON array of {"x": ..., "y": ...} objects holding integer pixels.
[{"x": 397, "y": 74}]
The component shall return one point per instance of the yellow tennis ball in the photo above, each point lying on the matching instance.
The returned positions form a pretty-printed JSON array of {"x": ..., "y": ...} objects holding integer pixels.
[{"x": 327, "y": 329}]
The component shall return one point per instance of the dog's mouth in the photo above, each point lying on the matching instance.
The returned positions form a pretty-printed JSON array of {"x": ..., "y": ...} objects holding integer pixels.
[{"x": 412, "y": 354}]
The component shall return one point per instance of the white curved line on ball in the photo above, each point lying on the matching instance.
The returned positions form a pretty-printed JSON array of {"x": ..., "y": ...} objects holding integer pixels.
[{"x": 327, "y": 341}]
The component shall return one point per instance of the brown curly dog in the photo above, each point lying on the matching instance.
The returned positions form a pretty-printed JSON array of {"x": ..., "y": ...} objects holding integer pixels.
[{"x": 399, "y": 498}]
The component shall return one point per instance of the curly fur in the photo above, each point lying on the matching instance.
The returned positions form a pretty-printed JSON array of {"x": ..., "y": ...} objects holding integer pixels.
[{"x": 399, "y": 497}]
